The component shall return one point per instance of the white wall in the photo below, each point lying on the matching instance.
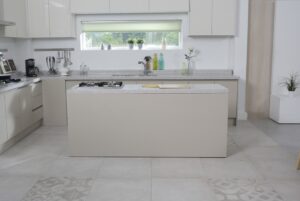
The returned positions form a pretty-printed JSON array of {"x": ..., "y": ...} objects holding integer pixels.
[
  {"x": 10, "y": 45},
  {"x": 286, "y": 49}
]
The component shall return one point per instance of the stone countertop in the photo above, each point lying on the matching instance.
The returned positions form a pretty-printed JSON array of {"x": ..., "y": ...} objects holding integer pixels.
[
  {"x": 140, "y": 89},
  {"x": 23, "y": 83},
  {"x": 126, "y": 75},
  {"x": 138, "y": 75}
]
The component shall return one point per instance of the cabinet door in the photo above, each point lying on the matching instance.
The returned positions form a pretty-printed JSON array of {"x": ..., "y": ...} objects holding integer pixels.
[
  {"x": 60, "y": 19},
  {"x": 129, "y": 6},
  {"x": 26, "y": 107},
  {"x": 89, "y": 6},
  {"x": 13, "y": 113},
  {"x": 38, "y": 18},
  {"x": 224, "y": 17},
  {"x": 200, "y": 17},
  {"x": 232, "y": 86},
  {"x": 3, "y": 131},
  {"x": 15, "y": 11},
  {"x": 165, "y": 6}
]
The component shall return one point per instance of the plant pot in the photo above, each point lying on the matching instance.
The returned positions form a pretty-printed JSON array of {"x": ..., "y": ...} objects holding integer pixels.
[
  {"x": 291, "y": 93},
  {"x": 140, "y": 45},
  {"x": 131, "y": 46}
]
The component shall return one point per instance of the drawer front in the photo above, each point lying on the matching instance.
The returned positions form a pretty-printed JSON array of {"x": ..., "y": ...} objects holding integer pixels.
[
  {"x": 37, "y": 115},
  {"x": 37, "y": 102},
  {"x": 36, "y": 89}
]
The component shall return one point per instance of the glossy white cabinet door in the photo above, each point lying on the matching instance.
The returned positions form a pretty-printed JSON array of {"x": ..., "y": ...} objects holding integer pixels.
[
  {"x": 3, "y": 131},
  {"x": 165, "y": 6},
  {"x": 15, "y": 11},
  {"x": 60, "y": 19},
  {"x": 224, "y": 17},
  {"x": 129, "y": 6},
  {"x": 89, "y": 6},
  {"x": 13, "y": 113},
  {"x": 38, "y": 18},
  {"x": 26, "y": 107},
  {"x": 200, "y": 17}
]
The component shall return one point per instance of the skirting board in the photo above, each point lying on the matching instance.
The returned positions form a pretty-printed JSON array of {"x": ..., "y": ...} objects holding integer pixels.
[{"x": 20, "y": 136}]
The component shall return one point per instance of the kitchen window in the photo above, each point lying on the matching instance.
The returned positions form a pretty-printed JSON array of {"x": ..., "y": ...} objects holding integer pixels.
[{"x": 154, "y": 35}]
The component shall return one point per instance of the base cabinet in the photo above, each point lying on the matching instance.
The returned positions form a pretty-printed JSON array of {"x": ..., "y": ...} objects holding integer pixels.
[
  {"x": 16, "y": 111},
  {"x": 3, "y": 131}
]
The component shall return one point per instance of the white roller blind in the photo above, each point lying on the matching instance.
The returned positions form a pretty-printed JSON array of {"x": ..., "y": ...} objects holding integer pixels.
[{"x": 131, "y": 26}]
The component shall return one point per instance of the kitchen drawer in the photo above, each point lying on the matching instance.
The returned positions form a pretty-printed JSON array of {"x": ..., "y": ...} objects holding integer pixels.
[
  {"x": 36, "y": 89},
  {"x": 36, "y": 102},
  {"x": 37, "y": 114}
]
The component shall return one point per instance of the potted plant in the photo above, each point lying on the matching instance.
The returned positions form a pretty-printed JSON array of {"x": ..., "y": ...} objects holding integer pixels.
[
  {"x": 291, "y": 83},
  {"x": 130, "y": 43},
  {"x": 140, "y": 43}
]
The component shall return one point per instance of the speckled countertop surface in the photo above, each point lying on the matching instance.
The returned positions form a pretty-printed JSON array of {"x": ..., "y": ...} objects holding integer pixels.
[{"x": 169, "y": 75}]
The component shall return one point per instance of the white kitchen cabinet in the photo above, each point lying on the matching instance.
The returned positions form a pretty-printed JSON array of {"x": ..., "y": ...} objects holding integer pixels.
[
  {"x": 232, "y": 86},
  {"x": 50, "y": 18},
  {"x": 213, "y": 17},
  {"x": 3, "y": 131},
  {"x": 129, "y": 6},
  {"x": 224, "y": 17},
  {"x": 200, "y": 17},
  {"x": 89, "y": 6},
  {"x": 18, "y": 110},
  {"x": 61, "y": 21},
  {"x": 54, "y": 102},
  {"x": 168, "y": 6},
  {"x": 38, "y": 18},
  {"x": 15, "y": 11}
]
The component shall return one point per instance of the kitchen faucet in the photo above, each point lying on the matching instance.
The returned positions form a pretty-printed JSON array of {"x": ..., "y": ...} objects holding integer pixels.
[{"x": 146, "y": 64}]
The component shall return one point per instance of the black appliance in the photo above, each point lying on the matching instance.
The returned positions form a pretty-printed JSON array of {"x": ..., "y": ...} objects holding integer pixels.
[
  {"x": 31, "y": 69},
  {"x": 109, "y": 84}
]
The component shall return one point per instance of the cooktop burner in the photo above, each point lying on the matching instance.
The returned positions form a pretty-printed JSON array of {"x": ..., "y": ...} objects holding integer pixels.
[{"x": 109, "y": 84}]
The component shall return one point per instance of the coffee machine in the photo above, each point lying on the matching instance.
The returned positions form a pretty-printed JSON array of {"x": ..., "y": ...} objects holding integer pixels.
[{"x": 31, "y": 69}]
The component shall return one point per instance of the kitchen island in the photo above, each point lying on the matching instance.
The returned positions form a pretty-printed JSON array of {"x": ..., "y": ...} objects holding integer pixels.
[{"x": 138, "y": 121}]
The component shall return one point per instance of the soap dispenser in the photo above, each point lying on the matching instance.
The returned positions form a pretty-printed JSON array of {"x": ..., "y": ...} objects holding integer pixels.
[
  {"x": 161, "y": 62},
  {"x": 155, "y": 62}
]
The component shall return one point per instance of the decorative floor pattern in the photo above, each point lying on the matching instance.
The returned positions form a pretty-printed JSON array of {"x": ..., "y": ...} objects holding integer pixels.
[
  {"x": 243, "y": 190},
  {"x": 59, "y": 189}
]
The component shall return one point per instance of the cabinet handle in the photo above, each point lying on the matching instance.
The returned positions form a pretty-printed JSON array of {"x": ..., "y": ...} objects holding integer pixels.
[{"x": 39, "y": 107}]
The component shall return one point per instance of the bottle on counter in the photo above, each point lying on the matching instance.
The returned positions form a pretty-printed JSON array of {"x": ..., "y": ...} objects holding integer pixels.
[
  {"x": 155, "y": 62},
  {"x": 161, "y": 62}
]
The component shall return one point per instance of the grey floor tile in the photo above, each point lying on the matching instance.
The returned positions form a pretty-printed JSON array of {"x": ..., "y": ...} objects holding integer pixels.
[
  {"x": 288, "y": 189},
  {"x": 59, "y": 189},
  {"x": 125, "y": 168},
  {"x": 177, "y": 168},
  {"x": 244, "y": 190},
  {"x": 121, "y": 190},
  {"x": 181, "y": 190},
  {"x": 14, "y": 188}
]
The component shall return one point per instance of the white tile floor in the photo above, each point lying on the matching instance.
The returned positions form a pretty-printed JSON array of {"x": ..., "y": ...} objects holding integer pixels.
[{"x": 261, "y": 167}]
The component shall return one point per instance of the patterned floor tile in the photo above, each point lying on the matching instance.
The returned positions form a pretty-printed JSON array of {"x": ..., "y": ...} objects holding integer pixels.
[
  {"x": 59, "y": 189},
  {"x": 243, "y": 190}
]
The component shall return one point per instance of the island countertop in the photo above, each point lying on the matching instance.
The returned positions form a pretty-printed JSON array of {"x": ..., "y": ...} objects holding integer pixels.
[{"x": 148, "y": 89}]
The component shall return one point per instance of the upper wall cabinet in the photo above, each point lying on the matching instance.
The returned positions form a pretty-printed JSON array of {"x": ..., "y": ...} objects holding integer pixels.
[
  {"x": 38, "y": 18},
  {"x": 61, "y": 21},
  {"x": 15, "y": 11},
  {"x": 89, "y": 6},
  {"x": 213, "y": 17},
  {"x": 224, "y": 17},
  {"x": 129, "y": 6},
  {"x": 50, "y": 18},
  {"x": 168, "y": 6}
]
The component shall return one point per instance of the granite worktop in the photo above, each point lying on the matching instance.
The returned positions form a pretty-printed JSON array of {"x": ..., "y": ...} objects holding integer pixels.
[
  {"x": 126, "y": 75},
  {"x": 160, "y": 89}
]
